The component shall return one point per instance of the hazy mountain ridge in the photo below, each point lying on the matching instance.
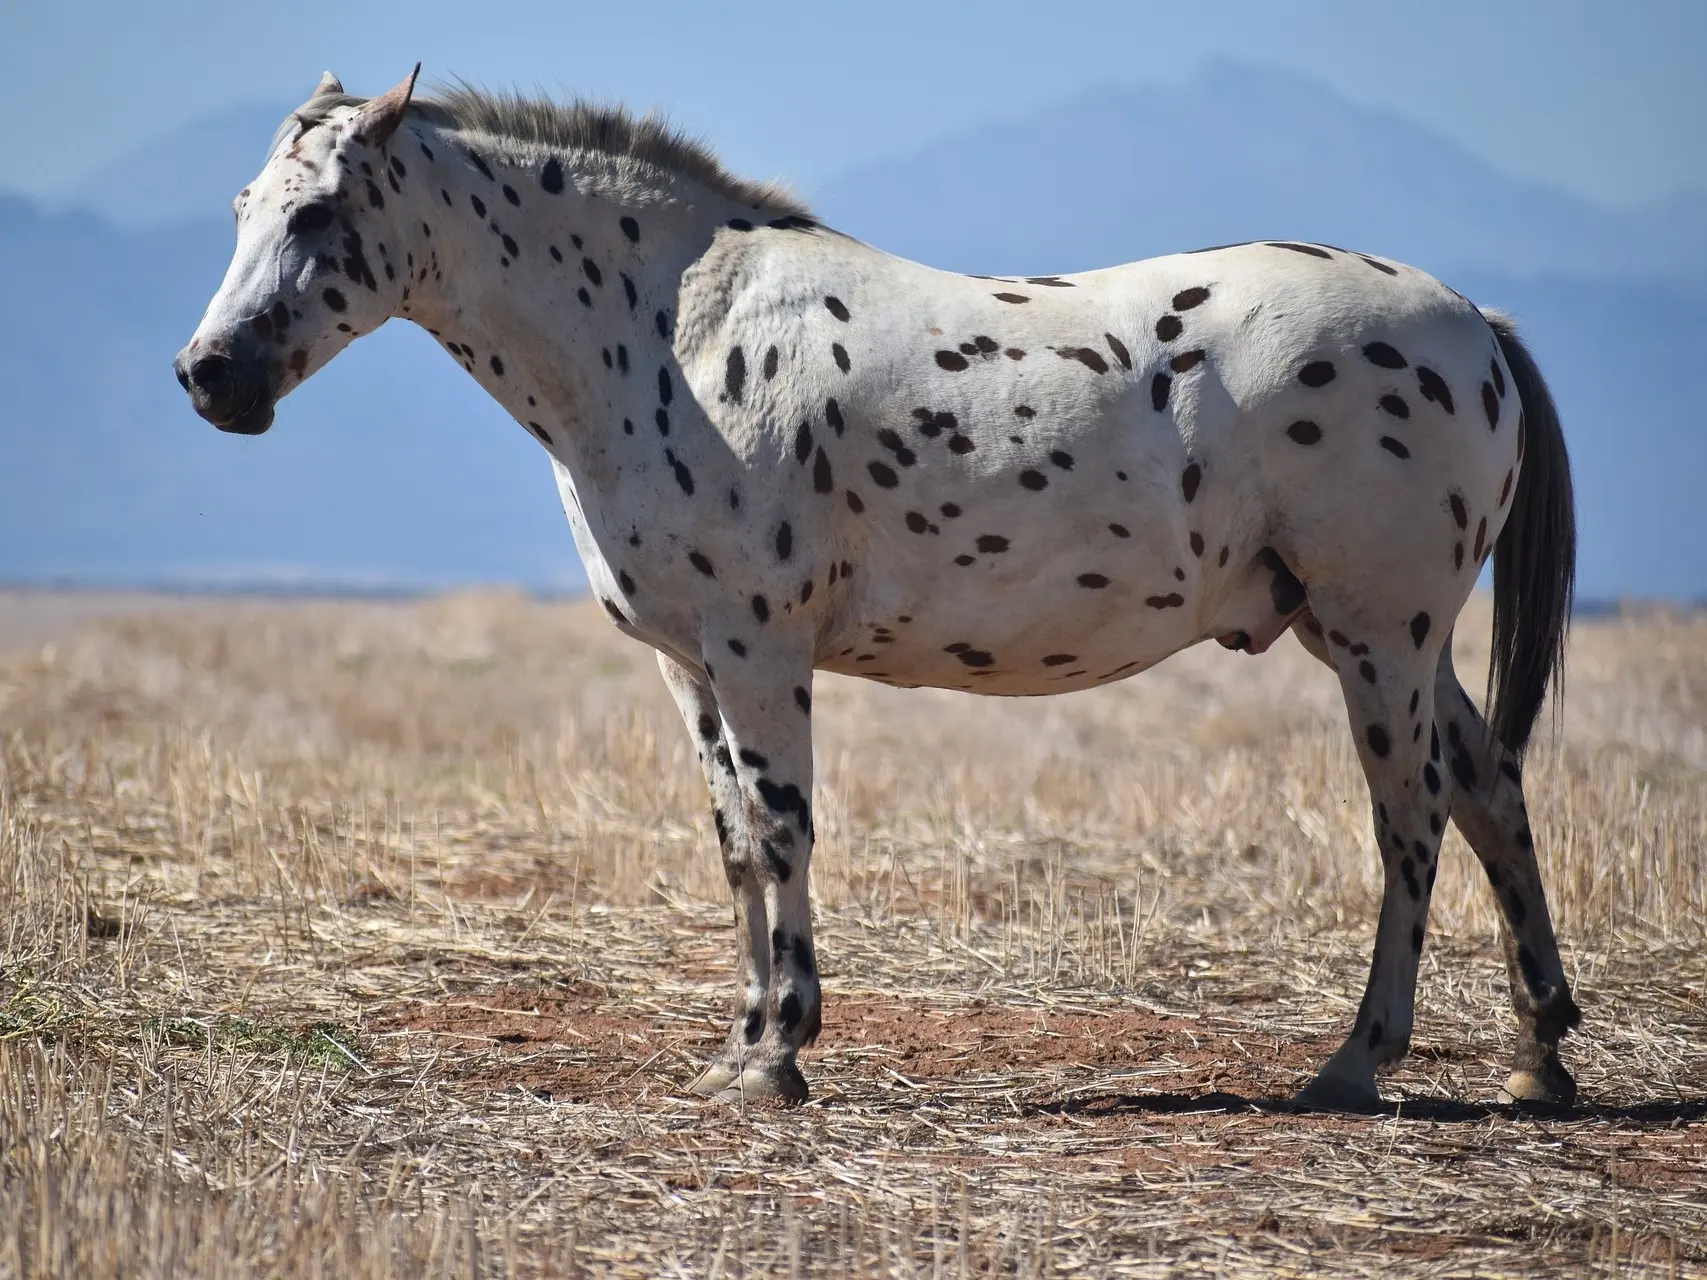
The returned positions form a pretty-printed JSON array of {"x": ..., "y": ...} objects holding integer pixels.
[
  {"x": 1239, "y": 153},
  {"x": 391, "y": 467}
]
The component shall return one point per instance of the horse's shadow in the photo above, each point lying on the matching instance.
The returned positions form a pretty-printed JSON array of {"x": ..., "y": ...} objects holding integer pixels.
[{"x": 1437, "y": 1110}]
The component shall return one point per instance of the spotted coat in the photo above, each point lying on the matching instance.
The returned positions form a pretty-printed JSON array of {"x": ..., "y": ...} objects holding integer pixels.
[{"x": 780, "y": 450}]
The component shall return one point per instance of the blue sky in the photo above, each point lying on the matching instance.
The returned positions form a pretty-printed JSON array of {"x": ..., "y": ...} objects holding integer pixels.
[{"x": 1604, "y": 99}]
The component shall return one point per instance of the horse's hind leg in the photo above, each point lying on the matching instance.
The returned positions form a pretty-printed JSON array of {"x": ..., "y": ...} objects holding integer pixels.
[
  {"x": 1487, "y": 805},
  {"x": 1387, "y": 679}
]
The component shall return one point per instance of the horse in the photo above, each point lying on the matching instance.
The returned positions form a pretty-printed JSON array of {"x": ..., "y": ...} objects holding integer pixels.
[{"x": 781, "y": 450}]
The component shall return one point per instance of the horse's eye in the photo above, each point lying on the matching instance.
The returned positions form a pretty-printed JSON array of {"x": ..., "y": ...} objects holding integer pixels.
[{"x": 311, "y": 219}]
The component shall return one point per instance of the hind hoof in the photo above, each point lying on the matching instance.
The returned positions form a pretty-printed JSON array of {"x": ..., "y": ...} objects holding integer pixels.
[
  {"x": 1551, "y": 1086},
  {"x": 1336, "y": 1093}
]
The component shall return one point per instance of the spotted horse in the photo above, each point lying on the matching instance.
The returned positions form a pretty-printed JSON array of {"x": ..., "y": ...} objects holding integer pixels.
[{"x": 781, "y": 450}]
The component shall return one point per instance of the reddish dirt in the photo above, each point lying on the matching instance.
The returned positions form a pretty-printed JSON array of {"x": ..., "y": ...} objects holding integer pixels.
[
  {"x": 923, "y": 1043},
  {"x": 576, "y": 1042}
]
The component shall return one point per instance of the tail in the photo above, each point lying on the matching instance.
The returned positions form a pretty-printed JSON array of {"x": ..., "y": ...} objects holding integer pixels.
[{"x": 1535, "y": 559}]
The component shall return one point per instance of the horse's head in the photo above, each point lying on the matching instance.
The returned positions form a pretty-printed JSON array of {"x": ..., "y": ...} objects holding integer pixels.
[{"x": 308, "y": 275}]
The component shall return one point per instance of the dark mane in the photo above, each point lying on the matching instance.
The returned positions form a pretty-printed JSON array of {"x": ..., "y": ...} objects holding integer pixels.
[{"x": 536, "y": 122}]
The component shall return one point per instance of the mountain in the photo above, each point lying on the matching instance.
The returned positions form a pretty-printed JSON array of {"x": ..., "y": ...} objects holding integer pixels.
[
  {"x": 1109, "y": 175},
  {"x": 1238, "y": 153},
  {"x": 389, "y": 468},
  {"x": 392, "y": 468},
  {"x": 1618, "y": 356}
]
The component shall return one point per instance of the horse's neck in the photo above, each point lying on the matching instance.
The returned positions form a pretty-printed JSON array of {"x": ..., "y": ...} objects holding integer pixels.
[{"x": 555, "y": 290}]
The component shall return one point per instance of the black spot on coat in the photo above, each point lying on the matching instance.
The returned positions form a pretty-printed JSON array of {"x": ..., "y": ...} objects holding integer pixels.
[
  {"x": 1434, "y": 388},
  {"x": 1189, "y": 480},
  {"x": 684, "y": 477}
]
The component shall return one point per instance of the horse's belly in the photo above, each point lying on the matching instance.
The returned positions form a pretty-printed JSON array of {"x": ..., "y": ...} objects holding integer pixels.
[{"x": 1049, "y": 625}]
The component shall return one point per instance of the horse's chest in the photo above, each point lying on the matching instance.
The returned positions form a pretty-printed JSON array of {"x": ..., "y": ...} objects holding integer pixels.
[{"x": 619, "y": 533}]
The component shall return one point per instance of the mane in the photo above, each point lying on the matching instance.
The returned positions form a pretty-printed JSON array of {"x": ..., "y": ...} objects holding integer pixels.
[{"x": 580, "y": 125}]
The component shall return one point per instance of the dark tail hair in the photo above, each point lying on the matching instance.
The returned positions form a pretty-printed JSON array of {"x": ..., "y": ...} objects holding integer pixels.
[{"x": 1535, "y": 558}]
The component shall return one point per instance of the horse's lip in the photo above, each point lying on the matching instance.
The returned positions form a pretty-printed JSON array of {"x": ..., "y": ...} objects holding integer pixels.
[{"x": 253, "y": 421}]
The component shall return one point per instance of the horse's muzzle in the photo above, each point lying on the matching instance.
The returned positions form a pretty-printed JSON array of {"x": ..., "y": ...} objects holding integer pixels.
[{"x": 232, "y": 391}]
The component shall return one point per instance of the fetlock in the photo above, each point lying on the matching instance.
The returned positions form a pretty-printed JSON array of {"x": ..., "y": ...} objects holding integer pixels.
[{"x": 1556, "y": 1015}]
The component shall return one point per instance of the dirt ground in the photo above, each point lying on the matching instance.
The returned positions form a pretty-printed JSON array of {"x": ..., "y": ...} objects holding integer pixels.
[{"x": 381, "y": 938}]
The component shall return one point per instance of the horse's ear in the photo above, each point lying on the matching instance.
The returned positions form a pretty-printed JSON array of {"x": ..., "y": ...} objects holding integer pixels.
[
  {"x": 329, "y": 84},
  {"x": 379, "y": 119}
]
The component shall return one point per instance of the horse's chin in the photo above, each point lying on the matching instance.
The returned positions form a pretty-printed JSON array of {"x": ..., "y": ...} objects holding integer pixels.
[{"x": 251, "y": 422}]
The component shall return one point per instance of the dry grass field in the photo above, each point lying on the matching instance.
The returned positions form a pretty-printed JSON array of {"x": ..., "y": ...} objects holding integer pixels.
[{"x": 380, "y": 939}]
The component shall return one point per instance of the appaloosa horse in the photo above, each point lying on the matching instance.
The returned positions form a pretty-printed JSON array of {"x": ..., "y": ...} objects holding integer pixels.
[{"x": 782, "y": 450}]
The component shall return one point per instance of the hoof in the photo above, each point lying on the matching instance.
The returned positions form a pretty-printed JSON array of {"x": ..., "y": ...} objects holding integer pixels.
[
  {"x": 1335, "y": 1093},
  {"x": 723, "y": 1083},
  {"x": 1550, "y": 1086},
  {"x": 714, "y": 1079}
]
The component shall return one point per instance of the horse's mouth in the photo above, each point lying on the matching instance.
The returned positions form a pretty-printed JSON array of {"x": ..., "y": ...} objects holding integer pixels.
[{"x": 253, "y": 421}]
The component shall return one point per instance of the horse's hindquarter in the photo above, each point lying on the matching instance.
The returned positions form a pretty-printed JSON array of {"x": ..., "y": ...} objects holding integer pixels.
[{"x": 1029, "y": 486}]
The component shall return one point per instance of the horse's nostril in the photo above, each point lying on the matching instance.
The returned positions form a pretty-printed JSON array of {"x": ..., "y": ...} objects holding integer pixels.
[
  {"x": 211, "y": 373},
  {"x": 183, "y": 376}
]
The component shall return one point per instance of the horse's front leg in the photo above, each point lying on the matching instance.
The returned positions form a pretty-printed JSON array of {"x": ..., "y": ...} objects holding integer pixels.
[
  {"x": 751, "y": 717},
  {"x": 698, "y": 705}
]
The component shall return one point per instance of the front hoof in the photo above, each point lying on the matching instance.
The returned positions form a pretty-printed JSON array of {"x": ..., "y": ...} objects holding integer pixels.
[
  {"x": 714, "y": 1079},
  {"x": 1336, "y": 1093},
  {"x": 1551, "y": 1086},
  {"x": 782, "y": 1084}
]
